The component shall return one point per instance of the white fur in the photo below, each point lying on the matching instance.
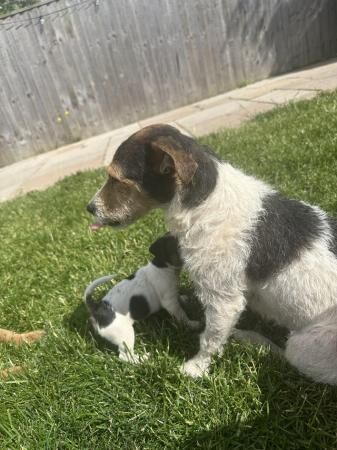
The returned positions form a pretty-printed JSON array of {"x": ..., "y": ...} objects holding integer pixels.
[
  {"x": 215, "y": 245},
  {"x": 159, "y": 287}
]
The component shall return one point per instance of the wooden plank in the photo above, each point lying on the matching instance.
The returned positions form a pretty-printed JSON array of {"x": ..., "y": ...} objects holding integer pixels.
[{"x": 89, "y": 69}]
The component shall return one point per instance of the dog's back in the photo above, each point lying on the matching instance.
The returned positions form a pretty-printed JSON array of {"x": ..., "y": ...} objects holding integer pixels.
[{"x": 135, "y": 295}]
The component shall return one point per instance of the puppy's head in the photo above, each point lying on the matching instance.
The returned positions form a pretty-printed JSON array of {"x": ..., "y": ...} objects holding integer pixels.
[
  {"x": 146, "y": 172},
  {"x": 166, "y": 251}
]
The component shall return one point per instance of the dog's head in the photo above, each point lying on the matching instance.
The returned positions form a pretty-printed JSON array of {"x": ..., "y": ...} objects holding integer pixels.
[
  {"x": 147, "y": 171},
  {"x": 166, "y": 251}
]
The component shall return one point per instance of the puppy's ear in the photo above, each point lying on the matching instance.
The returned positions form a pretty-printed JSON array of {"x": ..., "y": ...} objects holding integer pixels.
[
  {"x": 158, "y": 248},
  {"x": 169, "y": 157},
  {"x": 166, "y": 249}
]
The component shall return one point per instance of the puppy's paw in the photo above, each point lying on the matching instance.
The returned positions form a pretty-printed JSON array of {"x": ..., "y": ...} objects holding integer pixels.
[
  {"x": 194, "y": 325},
  {"x": 195, "y": 368}
]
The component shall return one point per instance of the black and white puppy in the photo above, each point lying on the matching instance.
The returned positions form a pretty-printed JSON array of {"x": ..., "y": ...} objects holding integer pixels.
[
  {"x": 151, "y": 288},
  {"x": 241, "y": 241}
]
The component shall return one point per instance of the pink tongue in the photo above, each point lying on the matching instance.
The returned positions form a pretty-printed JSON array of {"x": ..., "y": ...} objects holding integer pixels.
[{"x": 95, "y": 226}]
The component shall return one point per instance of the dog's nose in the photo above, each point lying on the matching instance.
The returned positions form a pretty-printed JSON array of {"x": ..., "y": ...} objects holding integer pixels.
[{"x": 91, "y": 208}]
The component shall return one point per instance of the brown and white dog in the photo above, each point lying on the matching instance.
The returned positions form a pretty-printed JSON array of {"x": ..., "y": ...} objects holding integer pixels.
[{"x": 240, "y": 240}]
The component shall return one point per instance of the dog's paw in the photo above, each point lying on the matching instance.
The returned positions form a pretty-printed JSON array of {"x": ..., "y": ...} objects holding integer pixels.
[
  {"x": 195, "y": 368},
  {"x": 183, "y": 299}
]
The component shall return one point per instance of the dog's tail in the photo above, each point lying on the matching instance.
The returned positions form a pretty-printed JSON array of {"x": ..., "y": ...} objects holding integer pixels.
[{"x": 88, "y": 300}]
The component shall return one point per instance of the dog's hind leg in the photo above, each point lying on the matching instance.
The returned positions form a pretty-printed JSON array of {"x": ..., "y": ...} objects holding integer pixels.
[
  {"x": 251, "y": 337},
  {"x": 313, "y": 349},
  {"x": 221, "y": 317}
]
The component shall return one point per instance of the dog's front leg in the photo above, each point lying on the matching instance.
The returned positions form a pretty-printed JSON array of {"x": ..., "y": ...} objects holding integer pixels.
[{"x": 221, "y": 316}]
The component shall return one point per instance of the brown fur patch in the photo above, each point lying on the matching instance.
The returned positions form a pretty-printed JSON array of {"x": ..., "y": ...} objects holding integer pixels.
[
  {"x": 184, "y": 163},
  {"x": 124, "y": 200},
  {"x": 20, "y": 338},
  {"x": 115, "y": 171},
  {"x": 10, "y": 371},
  {"x": 147, "y": 131}
]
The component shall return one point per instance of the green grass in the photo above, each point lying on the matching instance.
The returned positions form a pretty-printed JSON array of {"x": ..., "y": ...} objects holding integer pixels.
[{"x": 75, "y": 394}]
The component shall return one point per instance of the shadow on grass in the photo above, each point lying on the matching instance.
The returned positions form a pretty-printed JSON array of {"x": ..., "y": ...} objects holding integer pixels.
[
  {"x": 293, "y": 413},
  {"x": 159, "y": 330}
]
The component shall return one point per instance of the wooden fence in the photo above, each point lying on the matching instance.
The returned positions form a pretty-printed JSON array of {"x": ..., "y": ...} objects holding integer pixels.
[{"x": 70, "y": 69}]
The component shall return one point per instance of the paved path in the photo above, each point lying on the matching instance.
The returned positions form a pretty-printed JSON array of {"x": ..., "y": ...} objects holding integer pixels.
[{"x": 227, "y": 110}]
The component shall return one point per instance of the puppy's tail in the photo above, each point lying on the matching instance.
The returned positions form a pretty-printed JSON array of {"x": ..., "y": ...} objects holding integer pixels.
[{"x": 91, "y": 305}]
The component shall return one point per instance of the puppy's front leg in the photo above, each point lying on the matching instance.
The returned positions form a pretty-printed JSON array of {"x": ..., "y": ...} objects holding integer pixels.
[
  {"x": 172, "y": 306},
  {"x": 221, "y": 316}
]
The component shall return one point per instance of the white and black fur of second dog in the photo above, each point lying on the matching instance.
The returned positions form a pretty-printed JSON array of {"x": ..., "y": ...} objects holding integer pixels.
[{"x": 151, "y": 288}]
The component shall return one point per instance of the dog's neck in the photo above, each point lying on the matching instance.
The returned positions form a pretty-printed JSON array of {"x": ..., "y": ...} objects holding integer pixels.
[
  {"x": 234, "y": 194},
  {"x": 155, "y": 272}
]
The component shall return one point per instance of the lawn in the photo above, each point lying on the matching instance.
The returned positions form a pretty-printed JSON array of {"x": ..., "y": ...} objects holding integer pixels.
[{"x": 75, "y": 394}]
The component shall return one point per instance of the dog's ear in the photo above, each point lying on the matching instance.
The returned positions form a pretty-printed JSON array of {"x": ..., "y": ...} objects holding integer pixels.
[{"x": 169, "y": 157}]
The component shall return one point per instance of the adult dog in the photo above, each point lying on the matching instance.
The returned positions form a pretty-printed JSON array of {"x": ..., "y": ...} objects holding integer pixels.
[{"x": 241, "y": 241}]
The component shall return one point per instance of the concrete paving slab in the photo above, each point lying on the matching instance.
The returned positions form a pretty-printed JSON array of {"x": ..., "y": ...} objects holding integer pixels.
[
  {"x": 323, "y": 84},
  {"x": 283, "y": 96},
  {"x": 88, "y": 154},
  {"x": 170, "y": 116},
  {"x": 253, "y": 92},
  {"x": 15, "y": 176},
  {"x": 8, "y": 193},
  {"x": 116, "y": 138},
  {"x": 230, "y": 114}
]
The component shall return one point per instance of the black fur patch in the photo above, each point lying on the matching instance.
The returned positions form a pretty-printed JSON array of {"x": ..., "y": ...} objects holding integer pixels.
[
  {"x": 134, "y": 156},
  {"x": 139, "y": 307},
  {"x": 166, "y": 250},
  {"x": 159, "y": 262},
  {"x": 284, "y": 228},
  {"x": 333, "y": 227},
  {"x": 205, "y": 177},
  {"x": 102, "y": 313},
  {"x": 131, "y": 277}
]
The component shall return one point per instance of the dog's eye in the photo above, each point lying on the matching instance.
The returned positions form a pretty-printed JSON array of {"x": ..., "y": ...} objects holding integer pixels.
[
  {"x": 113, "y": 181},
  {"x": 167, "y": 171}
]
